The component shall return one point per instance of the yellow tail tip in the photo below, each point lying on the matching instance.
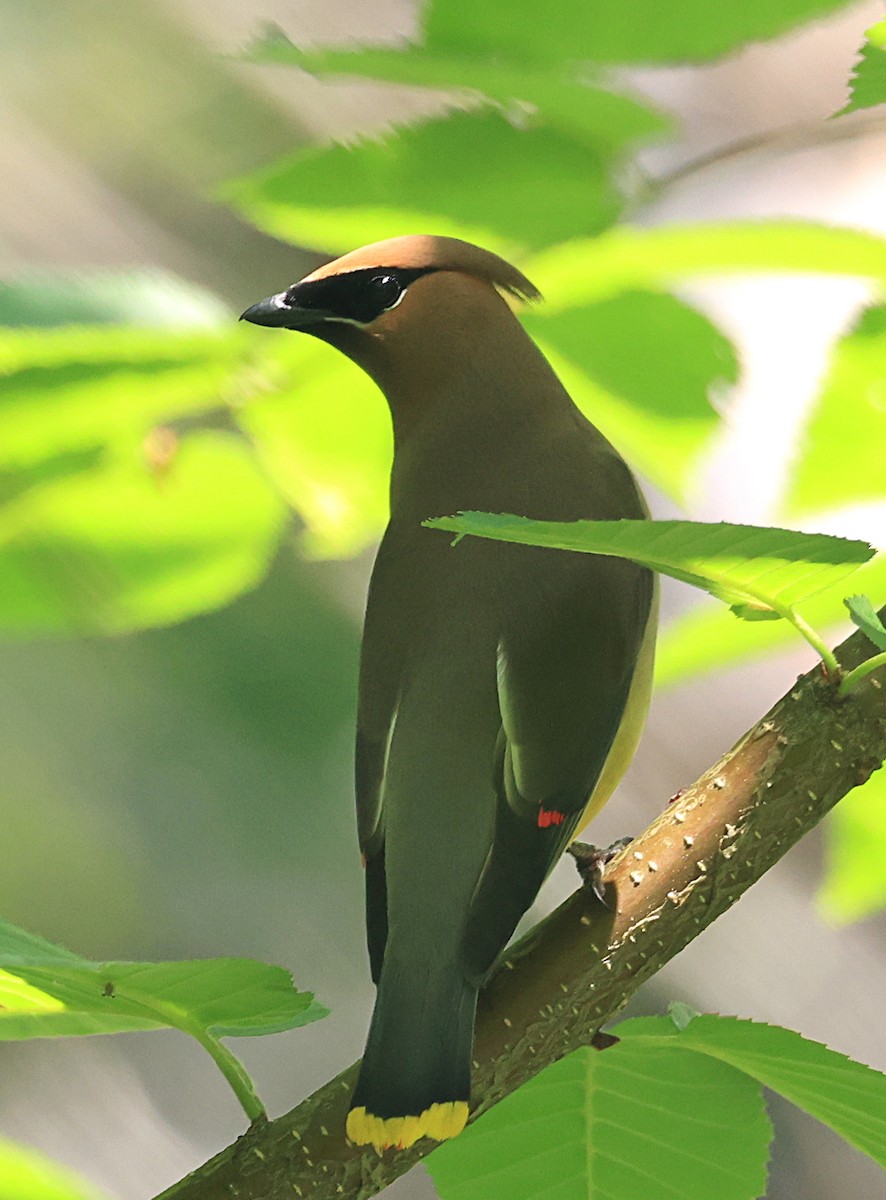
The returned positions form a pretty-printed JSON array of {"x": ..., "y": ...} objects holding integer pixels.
[{"x": 440, "y": 1121}]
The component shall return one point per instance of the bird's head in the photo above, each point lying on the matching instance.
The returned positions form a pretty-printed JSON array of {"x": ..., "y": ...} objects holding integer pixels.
[{"x": 404, "y": 300}]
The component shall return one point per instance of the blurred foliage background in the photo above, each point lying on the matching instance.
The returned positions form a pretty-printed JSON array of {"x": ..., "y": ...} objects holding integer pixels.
[{"x": 187, "y": 507}]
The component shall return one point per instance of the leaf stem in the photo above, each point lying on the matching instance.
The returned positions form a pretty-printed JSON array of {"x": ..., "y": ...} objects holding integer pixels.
[
  {"x": 816, "y": 641},
  {"x": 232, "y": 1069},
  {"x": 227, "y": 1062},
  {"x": 855, "y": 676}
]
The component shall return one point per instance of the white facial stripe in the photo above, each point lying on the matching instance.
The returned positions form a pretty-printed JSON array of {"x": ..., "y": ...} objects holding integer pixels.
[
  {"x": 397, "y": 301},
  {"x": 362, "y": 324}
]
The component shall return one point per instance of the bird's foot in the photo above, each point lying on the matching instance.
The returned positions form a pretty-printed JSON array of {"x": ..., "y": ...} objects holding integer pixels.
[{"x": 590, "y": 862}]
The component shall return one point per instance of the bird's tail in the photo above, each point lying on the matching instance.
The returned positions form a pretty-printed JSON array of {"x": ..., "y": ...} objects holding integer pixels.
[{"x": 415, "y": 1078}]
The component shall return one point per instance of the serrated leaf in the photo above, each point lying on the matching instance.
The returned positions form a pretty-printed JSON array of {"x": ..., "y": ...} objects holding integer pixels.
[
  {"x": 606, "y": 120},
  {"x": 340, "y": 197},
  {"x": 586, "y": 271},
  {"x": 632, "y": 31},
  {"x": 229, "y": 997},
  {"x": 136, "y": 298},
  {"x": 864, "y": 615},
  {"x": 708, "y": 638},
  {"x": 47, "y": 991},
  {"x": 323, "y": 432},
  {"x": 645, "y": 368},
  {"x": 124, "y": 547},
  {"x": 867, "y": 86},
  {"x": 854, "y": 884},
  {"x": 633, "y": 1120},
  {"x": 841, "y": 453},
  {"x": 27, "y": 1175},
  {"x": 75, "y": 389},
  {"x": 847, "y": 1096},
  {"x": 740, "y": 564}
]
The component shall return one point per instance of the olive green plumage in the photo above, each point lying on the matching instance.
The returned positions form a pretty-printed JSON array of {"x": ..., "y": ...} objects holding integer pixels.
[{"x": 494, "y": 678}]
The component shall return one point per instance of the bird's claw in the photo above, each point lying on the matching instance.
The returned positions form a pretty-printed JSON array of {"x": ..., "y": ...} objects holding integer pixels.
[{"x": 590, "y": 861}]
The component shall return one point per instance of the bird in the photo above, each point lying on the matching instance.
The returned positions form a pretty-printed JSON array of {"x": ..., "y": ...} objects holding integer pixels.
[{"x": 502, "y": 688}]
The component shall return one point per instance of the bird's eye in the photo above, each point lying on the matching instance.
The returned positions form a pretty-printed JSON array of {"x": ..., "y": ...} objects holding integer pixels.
[{"x": 387, "y": 289}]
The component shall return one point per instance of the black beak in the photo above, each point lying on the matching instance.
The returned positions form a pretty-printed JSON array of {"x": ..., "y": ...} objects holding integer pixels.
[{"x": 275, "y": 312}]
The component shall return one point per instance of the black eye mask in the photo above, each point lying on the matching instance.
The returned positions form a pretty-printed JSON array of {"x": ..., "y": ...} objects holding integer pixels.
[{"x": 358, "y": 296}]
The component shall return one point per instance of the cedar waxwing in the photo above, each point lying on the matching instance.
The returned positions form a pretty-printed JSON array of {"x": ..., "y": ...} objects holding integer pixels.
[{"x": 502, "y": 687}]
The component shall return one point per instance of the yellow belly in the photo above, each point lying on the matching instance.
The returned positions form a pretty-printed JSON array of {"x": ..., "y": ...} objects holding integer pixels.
[{"x": 634, "y": 718}]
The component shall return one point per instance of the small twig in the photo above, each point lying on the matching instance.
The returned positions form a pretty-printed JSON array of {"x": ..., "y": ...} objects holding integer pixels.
[
  {"x": 816, "y": 641},
  {"x": 784, "y": 141},
  {"x": 854, "y": 677}
]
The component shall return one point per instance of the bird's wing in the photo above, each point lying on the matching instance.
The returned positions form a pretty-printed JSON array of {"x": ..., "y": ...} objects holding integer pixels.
[
  {"x": 565, "y": 668},
  {"x": 380, "y": 669}
]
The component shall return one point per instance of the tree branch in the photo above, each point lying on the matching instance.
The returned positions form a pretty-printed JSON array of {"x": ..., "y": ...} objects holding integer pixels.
[{"x": 578, "y": 967}]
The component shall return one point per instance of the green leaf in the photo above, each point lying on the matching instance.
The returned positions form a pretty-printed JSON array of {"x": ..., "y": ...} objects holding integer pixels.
[
  {"x": 855, "y": 877},
  {"x": 46, "y": 991},
  {"x": 229, "y": 997},
  {"x": 864, "y": 615},
  {"x": 867, "y": 87},
  {"x": 124, "y": 547},
  {"x": 609, "y": 121},
  {"x": 634, "y": 1120},
  {"x": 340, "y": 197},
  {"x": 27, "y": 1175},
  {"x": 80, "y": 388},
  {"x": 630, "y": 31},
  {"x": 622, "y": 259},
  {"x": 323, "y": 434},
  {"x": 841, "y": 457},
  {"x": 15, "y": 481},
  {"x": 847, "y": 1096},
  {"x": 645, "y": 368},
  {"x": 708, "y": 638},
  {"x": 740, "y": 564},
  {"x": 147, "y": 298}
]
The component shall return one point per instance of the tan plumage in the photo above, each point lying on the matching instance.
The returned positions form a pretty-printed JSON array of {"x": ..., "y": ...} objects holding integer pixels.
[
  {"x": 444, "y": 253},
  {"x": 495, "y": 679}
]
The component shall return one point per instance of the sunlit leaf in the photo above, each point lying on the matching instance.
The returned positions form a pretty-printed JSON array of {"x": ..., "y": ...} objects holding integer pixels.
[
  {"x": 864, "y": 615},
  {"x": 323, "y": 433},
  {"x": 855, "y": 877},
  {"x": 14, "y": 481},
  {"x": 867, "y": 87},
  {"x": 630, "y": 31},
  {"x": 46, "y": 991},
  {"x": 847, "y": 1096},
  {"x": 644, "y": 367},
  {"x": 146, "y": 298},
  {"x": 634, "y": 1120},
  {"x": 840, "y": 460},
  {"x": 564, "y": 100},
  {"x": 124, "y": 546},
  {"x": 709, "y": 638},
  {"x": 78, "y": 388},
  {"x": 772, "y": 568},
  {"x": 582, "y": 272},
  {"x": 339, "y": 197},
  {"x": 27, "y": 1175}
]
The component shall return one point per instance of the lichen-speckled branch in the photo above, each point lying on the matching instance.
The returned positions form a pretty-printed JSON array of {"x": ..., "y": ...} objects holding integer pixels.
[{"x": 576, "y": 969}]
